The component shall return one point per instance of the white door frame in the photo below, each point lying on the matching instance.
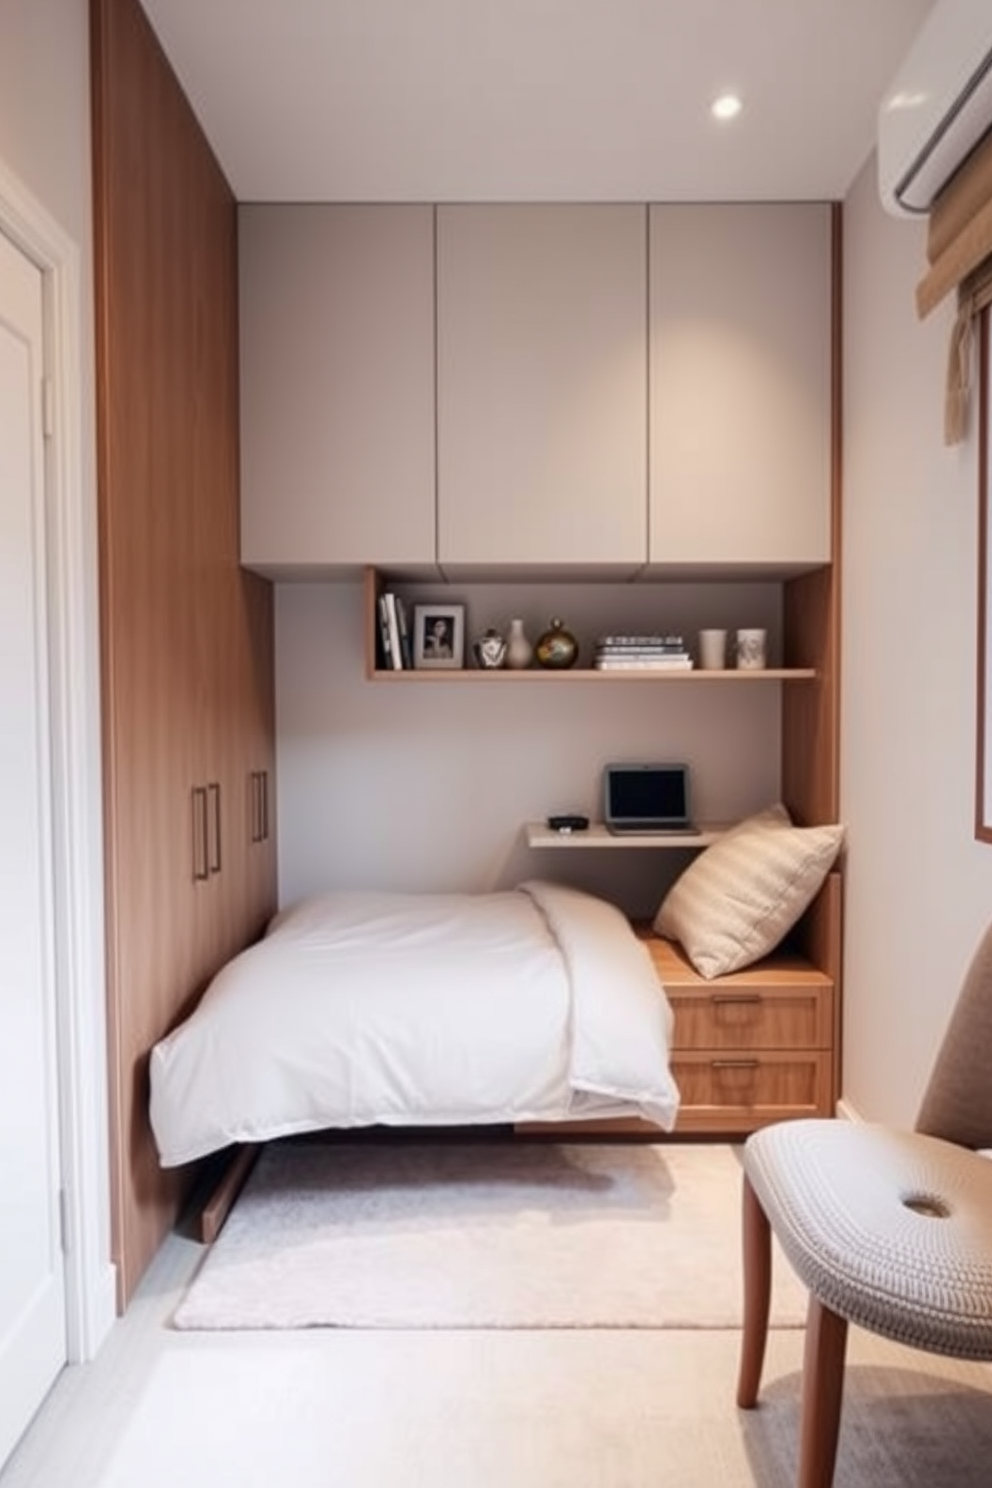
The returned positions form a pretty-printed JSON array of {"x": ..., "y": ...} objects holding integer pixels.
[{"x": 77, "y": 848}]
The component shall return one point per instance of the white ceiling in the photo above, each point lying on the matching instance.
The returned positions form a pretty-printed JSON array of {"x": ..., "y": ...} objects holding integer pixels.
[{"x": 456, "y": 100}]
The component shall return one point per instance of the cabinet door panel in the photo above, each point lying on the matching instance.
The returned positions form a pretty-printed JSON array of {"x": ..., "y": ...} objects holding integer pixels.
[
  {"x": 337, "y": 384},
  {"x": 542, "y": 384},
  {"x": 180, "y": 651},
  {"x": 740, "y": 383}
]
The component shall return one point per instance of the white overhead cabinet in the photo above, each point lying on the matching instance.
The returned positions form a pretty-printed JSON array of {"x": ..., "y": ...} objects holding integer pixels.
[
  {"x": 740, "y": 334},
  {"x": 530, "y": 386},
  {"x": 337, "y": 386},
  {"x": 542, "y": 385}
]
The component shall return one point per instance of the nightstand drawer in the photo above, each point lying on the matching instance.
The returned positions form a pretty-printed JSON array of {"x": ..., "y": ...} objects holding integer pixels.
[
  {"x": 736, "y": 1092},
  {"x": 752, "y": 1017}
]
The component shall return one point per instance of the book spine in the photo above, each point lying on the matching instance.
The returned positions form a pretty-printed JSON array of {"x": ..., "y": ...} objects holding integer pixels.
[
  {"x": 656, "y": 642},
  {"x": 661, "y": 656},
  {"x": 403, "y": 625},
  {"x": 385, "y": 649},
  {"x": 642, "y": 664},
  {"x": 641, "y": 651},
  {"x": 392, "y": 622}
]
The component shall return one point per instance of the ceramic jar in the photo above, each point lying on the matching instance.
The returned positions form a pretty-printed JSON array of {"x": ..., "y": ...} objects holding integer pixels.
[
  {"x": 490, "y": 651},
  {"x": 557, "y": 648},
  {"x": 519, "y": 650}
]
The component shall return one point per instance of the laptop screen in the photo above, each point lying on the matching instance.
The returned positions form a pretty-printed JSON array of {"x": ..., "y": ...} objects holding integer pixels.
[{"x": 646, "y": 797}]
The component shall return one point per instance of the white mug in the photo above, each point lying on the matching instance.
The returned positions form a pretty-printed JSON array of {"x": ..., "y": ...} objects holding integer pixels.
[
  {"x": 751, "y": 650},
  {"x": 712, "y": 650}
]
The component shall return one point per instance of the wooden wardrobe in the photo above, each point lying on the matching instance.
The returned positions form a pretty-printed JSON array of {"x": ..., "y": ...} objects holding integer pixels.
[{"x": 187, "y": 639}]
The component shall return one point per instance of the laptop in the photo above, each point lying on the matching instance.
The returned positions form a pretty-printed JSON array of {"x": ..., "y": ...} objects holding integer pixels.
[{"x": 646, "y": 798}]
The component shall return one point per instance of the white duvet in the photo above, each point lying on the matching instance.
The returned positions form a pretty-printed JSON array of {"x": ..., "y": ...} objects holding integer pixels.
[{"x": 536, "y": 1003}]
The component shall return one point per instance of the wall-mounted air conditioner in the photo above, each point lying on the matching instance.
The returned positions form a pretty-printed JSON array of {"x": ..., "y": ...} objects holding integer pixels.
[{"x": 938, "y": 106}]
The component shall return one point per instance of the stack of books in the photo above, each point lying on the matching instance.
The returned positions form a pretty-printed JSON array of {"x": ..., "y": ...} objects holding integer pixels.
[
  {"x": 395, "y": 648},
  {"x": 647, "y": 652}
]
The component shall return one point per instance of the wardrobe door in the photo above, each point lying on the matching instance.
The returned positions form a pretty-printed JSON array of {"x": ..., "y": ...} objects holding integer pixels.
[
  {"x": 337, "y": 374},
  {"x": 542, "y": 385},
  {"x": 740, "y": 340},
  {"x": 180, "y": 622}
]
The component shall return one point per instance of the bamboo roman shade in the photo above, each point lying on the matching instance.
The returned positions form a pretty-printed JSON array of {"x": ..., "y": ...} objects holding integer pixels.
[{"x": 959, "y": 250}]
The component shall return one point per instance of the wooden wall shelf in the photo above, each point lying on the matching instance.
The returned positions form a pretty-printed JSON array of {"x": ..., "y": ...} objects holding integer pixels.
[{"x": 589, "y": 674}]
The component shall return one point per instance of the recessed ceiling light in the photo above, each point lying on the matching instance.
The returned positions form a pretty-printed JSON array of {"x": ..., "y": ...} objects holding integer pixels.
[
  {"x": 727, "y": 106},
  {"x": 905, "y": 100}
]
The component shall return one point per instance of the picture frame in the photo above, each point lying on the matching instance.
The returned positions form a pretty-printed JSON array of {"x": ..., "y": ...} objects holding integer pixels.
[
  {"x": 439, "y": 636},
  {"x": 983, "y": 770}
]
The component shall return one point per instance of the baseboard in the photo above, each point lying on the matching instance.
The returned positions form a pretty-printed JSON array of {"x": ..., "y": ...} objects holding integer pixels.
[
  {"x": 96, "y": 1316},
  {"x": 847, "y": 1112}
]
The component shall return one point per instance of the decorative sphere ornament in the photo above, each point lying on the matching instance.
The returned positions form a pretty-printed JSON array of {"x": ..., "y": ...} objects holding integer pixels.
[{"x": 557, "y": 649}]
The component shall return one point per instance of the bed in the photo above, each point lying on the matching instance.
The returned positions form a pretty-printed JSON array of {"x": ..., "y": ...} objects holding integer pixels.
[{"x": 359, "y": 1009}]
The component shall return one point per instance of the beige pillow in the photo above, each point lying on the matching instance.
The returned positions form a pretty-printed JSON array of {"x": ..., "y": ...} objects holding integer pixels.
[{"x": 736, "y": 900}]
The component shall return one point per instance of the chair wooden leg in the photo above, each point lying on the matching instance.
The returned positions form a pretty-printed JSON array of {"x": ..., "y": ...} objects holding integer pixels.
[
  {"x": 823, "y": 1389},
  {"x": 757, "y": 1242}
]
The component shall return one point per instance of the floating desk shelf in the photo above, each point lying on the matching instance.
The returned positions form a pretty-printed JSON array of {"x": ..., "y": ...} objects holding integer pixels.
[{"x": 539, "y": 834}]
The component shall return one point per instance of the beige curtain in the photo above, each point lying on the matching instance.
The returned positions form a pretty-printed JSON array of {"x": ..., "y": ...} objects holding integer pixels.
[{"x": 959, "y": 251}]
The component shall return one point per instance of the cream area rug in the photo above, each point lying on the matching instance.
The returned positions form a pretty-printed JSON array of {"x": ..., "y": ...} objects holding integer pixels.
[{"x": 489, "y": 1234}]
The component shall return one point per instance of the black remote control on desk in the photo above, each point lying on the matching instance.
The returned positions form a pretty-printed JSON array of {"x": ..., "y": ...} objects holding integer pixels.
[{"x": 568, "y": 823}]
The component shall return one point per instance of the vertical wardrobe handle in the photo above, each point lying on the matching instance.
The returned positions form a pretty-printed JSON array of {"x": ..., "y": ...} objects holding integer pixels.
[
  {"x": 258, "y": 801},
  {"x": 213, "y": 828},
  {"x": 201, "y": 865},
  {"x": 255, "y": 806}
]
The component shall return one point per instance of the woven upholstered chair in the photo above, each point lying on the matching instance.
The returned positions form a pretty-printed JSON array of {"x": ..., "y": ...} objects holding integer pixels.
[{"x": 890, "y": 1230}]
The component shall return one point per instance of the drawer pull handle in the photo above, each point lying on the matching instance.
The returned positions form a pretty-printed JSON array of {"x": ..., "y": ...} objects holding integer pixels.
[
  {"x": 255, "y": 807},
  {"x": 736, "y": 999},
  {"x": 735, "y": 1064}
]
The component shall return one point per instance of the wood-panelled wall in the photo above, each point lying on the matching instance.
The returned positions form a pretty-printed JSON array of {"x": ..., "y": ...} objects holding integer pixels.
[
  {"x": 811, "y": 715},
  {"x": 187, "y": 644}
]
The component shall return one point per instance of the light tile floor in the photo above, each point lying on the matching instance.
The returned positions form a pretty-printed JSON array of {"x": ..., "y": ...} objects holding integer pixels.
[{"x": 430, "y": 1409}]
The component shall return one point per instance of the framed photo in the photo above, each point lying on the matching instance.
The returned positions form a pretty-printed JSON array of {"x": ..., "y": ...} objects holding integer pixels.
[{"x": 439, "y": 636}]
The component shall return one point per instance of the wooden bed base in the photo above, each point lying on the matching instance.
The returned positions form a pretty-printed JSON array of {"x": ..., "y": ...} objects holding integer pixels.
[{"x": 220, "y": 1199}]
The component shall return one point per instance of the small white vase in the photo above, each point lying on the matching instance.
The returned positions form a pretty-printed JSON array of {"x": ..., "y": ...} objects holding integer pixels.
[{"x": 519, "y": 650}]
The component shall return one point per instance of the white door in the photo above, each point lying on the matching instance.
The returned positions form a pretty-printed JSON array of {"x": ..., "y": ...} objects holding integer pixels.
[{"x": 32, "y": 1273}]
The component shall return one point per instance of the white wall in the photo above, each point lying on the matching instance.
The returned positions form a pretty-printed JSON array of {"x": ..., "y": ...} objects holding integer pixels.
[
  {"x": 44, "y": 106},
  {"x": 919, "y": 888},
  {"x": 427, "y": 784}
]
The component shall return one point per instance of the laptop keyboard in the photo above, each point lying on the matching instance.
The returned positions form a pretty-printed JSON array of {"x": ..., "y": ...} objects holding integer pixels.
[{"x": 644, "y": 828}]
